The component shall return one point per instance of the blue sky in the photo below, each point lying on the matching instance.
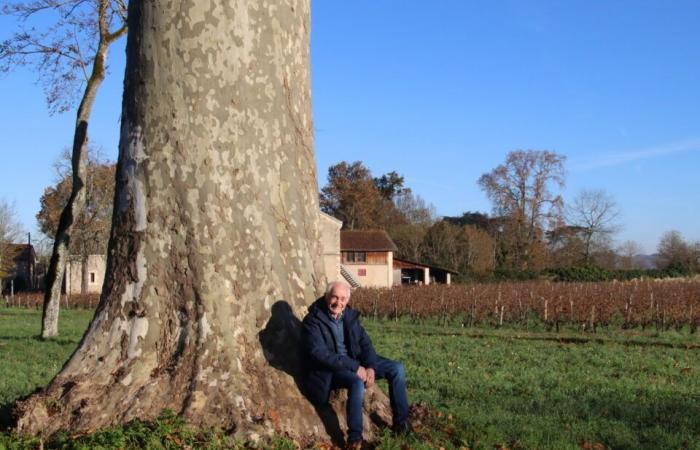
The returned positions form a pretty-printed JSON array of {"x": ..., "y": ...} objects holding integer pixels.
[{"x": 442, "y": 91}]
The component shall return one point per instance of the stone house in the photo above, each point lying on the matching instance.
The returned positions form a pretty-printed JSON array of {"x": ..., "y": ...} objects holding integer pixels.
[{"x": 94, "y": 275}]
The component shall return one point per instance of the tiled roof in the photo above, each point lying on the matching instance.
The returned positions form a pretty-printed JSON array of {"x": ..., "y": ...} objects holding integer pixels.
[
  {"x": 366, "y": 240},
  {"x": 407, "y": 264}
]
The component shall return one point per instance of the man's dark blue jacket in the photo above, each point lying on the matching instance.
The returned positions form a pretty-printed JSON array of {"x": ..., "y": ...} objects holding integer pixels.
[{"x": 319, "y": 354}]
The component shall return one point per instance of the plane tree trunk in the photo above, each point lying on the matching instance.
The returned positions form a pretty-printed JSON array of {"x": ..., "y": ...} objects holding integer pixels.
[{"x": 213, "y": 255}]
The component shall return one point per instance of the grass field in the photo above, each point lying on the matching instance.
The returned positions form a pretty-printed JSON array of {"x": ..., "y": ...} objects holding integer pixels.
[
  {"x": 544, "y": 390},
  {"x": 27, "y": 362},
  {"x": 496, "y": 388}
]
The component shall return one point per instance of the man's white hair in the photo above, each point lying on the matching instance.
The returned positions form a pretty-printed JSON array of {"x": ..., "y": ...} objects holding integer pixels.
[{"x": 333, "y": 284}]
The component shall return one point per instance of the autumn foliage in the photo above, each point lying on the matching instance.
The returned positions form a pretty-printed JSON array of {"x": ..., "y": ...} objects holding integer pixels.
[{"x": 664, "y": 304}]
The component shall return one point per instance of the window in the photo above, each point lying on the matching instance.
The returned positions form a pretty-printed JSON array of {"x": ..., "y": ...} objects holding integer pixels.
[
  {"x": 354, "y": 257},
  {"x": 92, "y": 277}
]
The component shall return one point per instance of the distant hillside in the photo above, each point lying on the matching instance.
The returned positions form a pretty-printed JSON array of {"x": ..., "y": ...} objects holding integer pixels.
[{"x": 646, "y": 261}]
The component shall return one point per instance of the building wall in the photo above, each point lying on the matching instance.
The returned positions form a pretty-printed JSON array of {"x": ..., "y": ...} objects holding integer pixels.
[
  {"x": 96, "y": 274},
  {"x": 330, "y": 245},
  {"x": 378, "y": 274}
]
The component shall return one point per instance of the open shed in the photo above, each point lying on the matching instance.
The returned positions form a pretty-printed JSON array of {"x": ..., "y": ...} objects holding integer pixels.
[{"x": 411, "y": 272}]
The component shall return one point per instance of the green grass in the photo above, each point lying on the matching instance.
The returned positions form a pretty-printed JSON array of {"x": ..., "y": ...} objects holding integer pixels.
[
  {"x": 27, "y": 362},
  {"x": 517, "y": 388},
  {"x": 626, "y": 390}
]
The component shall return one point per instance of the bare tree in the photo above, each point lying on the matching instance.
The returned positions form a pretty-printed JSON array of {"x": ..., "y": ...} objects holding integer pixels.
[
  {"x": 61, "y": 40},
  {"x": 521, "y": 192},
  {"x": 69, "y": 54},
  {"x": 593, "y": 213},
  {"x": 214, "y": 251},
  {"x": 416, "y": 216},
  {"x": 414, "y": 209},
  {"x": 465, "y": 249}
]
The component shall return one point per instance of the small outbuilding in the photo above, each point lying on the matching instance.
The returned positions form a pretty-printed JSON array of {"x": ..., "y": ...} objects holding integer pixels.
[
  {"x": 367, "y": 256},
  {"x": 411, "y": 272}
]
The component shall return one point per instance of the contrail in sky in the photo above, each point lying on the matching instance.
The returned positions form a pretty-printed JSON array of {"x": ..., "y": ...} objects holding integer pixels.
[{"x": 690, "y": 145}]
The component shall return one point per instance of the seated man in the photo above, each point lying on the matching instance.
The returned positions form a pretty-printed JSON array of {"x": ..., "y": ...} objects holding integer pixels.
[{"x": 338, "y": 353}]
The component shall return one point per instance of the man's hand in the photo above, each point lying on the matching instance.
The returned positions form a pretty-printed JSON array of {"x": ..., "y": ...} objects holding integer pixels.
[
  {"x": 362, "y": 373},
  {"x": 370, "y": 377}
]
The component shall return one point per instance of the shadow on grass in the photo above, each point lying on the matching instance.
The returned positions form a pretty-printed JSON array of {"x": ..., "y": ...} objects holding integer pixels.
[{"x": 6, "y": 421}]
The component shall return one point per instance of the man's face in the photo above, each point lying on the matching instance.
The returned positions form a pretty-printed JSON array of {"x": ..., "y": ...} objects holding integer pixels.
[{"x": 337, "y": 300}]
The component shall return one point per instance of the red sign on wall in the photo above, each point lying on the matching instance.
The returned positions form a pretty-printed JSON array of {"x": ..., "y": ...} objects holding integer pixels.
[{"x": 362, "y": 272}]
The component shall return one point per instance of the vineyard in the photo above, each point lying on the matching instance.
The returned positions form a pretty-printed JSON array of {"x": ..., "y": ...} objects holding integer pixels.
[
  {"x": 664, "y": 304},
  {"x": 36, "y": 300}
]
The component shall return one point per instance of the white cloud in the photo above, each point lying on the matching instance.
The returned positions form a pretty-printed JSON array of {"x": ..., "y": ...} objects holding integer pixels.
[{"x": 689, "y": 145}]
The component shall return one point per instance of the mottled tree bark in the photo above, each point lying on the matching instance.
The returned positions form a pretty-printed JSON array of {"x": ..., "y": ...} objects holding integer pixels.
[{"x": 214, "y": 253}]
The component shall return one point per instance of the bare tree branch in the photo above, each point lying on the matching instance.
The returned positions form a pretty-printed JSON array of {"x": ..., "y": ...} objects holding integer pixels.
[{"x": 60, "y": 52}]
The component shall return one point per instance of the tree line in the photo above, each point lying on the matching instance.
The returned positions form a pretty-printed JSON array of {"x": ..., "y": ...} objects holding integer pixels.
[{"x": 530, "y": 230}]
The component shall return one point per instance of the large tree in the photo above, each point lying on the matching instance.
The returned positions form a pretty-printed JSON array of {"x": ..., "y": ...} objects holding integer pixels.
[
  {"x": 352, "y": 196},
  {"x": 360, "y": 201},
  {"x": 522, "y": 191},
  {"x": 214, "y": 251},
  {"x": 69, "y": 54}
]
